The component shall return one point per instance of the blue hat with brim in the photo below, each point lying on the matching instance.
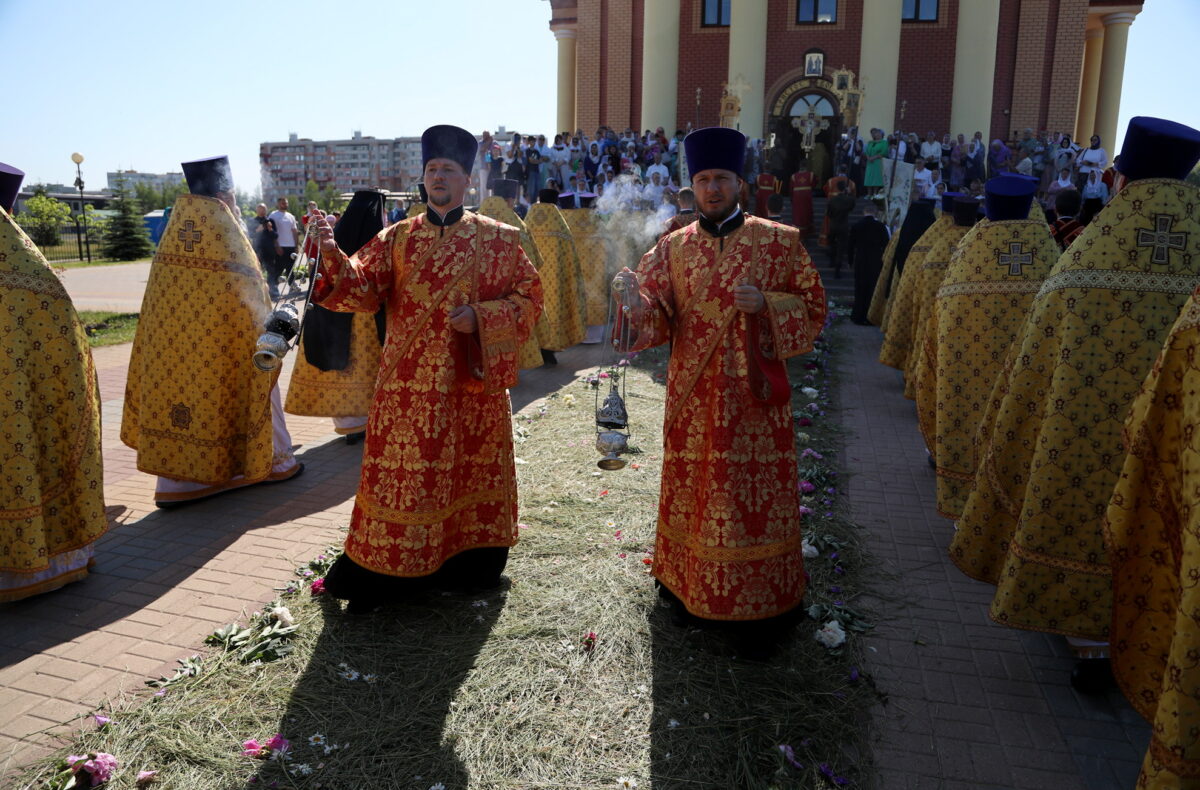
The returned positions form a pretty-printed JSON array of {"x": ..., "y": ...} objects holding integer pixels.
[
  {"x": 10, "y": 185},
  {"x": 1158, "y": 148},
  {"x": 1008, "y": 197},
  {"x": 449, "y": 142},
  {"x": 948, "y": 199},
  {"x": 209, "y": 176},
  {"x": 715, "y": 148}
]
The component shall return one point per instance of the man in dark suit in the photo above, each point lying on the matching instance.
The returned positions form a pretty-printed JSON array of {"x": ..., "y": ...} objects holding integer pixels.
[
  {"x": 867, "y": 240},
  {"x": 838, "y": 209}
]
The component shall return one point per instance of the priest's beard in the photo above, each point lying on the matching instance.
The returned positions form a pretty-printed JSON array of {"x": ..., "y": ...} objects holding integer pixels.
[
  {"x": 716, "y": 213},
  {"x": 440, "y": 201}
]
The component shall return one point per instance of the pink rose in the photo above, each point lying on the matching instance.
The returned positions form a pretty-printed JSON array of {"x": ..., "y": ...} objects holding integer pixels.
[
  {"x": 251, "y": 748},
  {"x": 145, "y": 778},
  {"x": 278, "y": 743},
  {"x": 101, "y": 767},
  {"x": 318, "y": 586}
]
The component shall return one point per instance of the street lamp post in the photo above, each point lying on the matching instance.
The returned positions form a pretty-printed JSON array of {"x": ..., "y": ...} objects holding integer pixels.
[{"x": 77, "y": 158}]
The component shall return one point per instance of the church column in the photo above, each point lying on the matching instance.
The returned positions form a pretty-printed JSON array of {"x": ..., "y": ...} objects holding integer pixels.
[
  {"x": 748, "y": 62},
  {"x": 974, "y": 61},
  {"x": 565, "y": 36},
  {"x": 879, "y": 61},
  {"x": 660, "y": 64},
  {"x": 1089, "y": 87},
  {"x": 1112, "y": 72}
]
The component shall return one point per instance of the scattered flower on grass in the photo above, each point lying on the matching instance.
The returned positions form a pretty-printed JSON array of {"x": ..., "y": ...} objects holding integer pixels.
[
  {"x": 804, "y": 421},
  {"x": 589, "y": 641},
  {"x": 316, "y": 739},
  {"x": 627, "y": 783},
  {"x": 479, "y": 604},
  {"x": 101, "y": 720},
  {"x": 438, "y": 786},
  {"x": 318, "y": 586},
  {"x": 146, "y": 778},
  {"x": 672, "y": 724},
  {"x": 789, "y": 754},
  {"x": 809, "y": 392},
  {"x": 304, "y": 769},
  {"x": 810, "y": 551},
  {"x": 283, "y": 616},
  {"x": 622, "y": 555},
  {"x": 252, "y": 748},
  {"x": 807, "y": 487},
  {"x": 831, "y": 635}
]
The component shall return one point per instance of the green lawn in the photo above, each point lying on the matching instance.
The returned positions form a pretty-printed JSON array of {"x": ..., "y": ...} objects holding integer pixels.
[{"x": 108, "y": 329}]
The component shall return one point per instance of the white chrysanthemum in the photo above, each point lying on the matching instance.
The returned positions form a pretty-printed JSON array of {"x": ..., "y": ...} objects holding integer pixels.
[{"x": 831, "y": 634}]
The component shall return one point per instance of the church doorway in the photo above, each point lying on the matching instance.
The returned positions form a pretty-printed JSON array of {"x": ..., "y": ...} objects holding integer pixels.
[{"x": 809, "y": 127}]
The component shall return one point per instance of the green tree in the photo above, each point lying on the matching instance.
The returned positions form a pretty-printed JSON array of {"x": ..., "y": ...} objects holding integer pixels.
[
  {"x": 1194, "y": 176},
  {"x": 43, "y": 218},
  {"x": 127, "y": 238}
]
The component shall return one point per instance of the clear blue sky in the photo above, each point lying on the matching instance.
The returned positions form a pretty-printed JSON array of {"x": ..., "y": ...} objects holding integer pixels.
[{"x": 139, "y": 85}]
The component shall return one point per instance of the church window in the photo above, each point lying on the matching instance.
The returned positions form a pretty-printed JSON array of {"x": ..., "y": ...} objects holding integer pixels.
[
  {"x": 919, "y": 11},
  {"x": 716, "y": 13},
  {"x": 816, "y": 12}
]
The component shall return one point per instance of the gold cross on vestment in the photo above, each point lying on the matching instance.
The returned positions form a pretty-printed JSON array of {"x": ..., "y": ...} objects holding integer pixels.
[
  {"x": 1161, "y": 238},
  {"x": 1015, "y": 258},
  {"x": 189, "y": 235}
]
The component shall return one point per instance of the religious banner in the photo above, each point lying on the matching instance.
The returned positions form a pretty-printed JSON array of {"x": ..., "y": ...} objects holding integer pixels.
[{"x": 897, "y": 186}]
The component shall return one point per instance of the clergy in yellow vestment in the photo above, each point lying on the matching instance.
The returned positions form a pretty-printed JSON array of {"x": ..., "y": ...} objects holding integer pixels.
[
  {"x": 735, "y": 295},
  {"x": 418, "y": 209},
  {"x": 437, "y": 498},
  {"x": 500, "y": 206},
  {"x": 587, "y": 230},
  {"x": 562, "y": 324},
  {"x": 338, "y": 358},
  {"x": 885, "y": 283},
  {"x": 1153, "y": 534},
  {"x": 51, "y": 479},
  {"x": 198, "y": 412},
  {"x": 917, "y": 235},
  {"x": 1051, "y": 449},
  {"x": 929, "y": 279},
  {"x": 983, "y": 300}
]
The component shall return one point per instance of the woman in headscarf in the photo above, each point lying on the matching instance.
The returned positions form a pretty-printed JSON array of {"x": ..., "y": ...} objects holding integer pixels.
[
  {"x": 1092, "y": 160},
  {"x": 999, "y": 159},
  {"x": 875, "y": 150},
  {"x": 592, "y": 163},
  {"x": 1062, "y": 182}
]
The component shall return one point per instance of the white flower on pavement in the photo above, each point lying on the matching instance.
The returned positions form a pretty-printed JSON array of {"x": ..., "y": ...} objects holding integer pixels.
[
  {"x": 809, "y": 392},
  {"x": 831, "y": 634},
  {"x": 283, "y": 616}
]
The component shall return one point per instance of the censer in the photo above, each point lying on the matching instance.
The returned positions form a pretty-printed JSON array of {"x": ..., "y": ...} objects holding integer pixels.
[
  {"x": 285, "y": 325},
  {"x": 612, "y": 419}
]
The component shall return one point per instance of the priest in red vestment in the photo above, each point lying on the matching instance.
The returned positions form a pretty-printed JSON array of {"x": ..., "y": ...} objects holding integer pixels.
[
  {"x": 437, "y": 500},
  {"x": 802, "y": 199},
  {"x": 765, "y": 185},
  {"x": 735, "y": 296}
]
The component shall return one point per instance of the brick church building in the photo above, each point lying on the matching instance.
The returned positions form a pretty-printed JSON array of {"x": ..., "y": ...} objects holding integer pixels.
[{"x": 958, "y": 66}]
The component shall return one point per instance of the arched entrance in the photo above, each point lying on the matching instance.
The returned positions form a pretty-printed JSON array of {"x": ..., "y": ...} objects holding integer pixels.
[{"x": 806, "y": 112}]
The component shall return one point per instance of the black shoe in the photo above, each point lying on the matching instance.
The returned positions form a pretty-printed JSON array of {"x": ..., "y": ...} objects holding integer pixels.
[
  {"x": 1093, "y": 676},
  {"x": 355, "y": 438},
  {"x": 548, "y": 358}
]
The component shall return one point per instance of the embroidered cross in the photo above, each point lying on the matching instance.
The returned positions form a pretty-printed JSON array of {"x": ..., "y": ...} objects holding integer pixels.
[
  {"x": 189, "y": 235},
  {"x": 1161, "y": 238},
  {"x": 1015, "y": 258}
]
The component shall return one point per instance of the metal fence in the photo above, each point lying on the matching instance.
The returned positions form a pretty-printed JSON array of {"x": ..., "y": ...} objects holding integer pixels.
[{"x": 66, "y": 242}]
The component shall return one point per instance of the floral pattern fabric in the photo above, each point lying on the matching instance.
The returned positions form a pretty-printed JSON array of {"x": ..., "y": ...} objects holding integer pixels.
[
  {"x": 562, "y": 324},
  {"x": 1051, "y": 450},
  {"x": 901, "y": 318},
  {"x": 438, "y": 474},
  {"x": 977, "y": 313},
  {"x": 196, "y": 408},
  {"x": 51, "y": 477},
  {"x": 1153, "y": 533},
  {"x": 729, "y": 533}
]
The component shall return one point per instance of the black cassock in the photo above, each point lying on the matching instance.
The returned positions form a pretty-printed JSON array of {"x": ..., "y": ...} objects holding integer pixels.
[{"x": 868, "y": 239}]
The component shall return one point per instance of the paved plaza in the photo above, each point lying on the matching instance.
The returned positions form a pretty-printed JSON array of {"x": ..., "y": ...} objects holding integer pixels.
[{"x": 967, "y": 704}]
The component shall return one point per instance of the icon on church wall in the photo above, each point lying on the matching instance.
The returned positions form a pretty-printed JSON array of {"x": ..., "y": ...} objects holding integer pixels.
[
  {"x": 843, "y": 82},
  {"x": 814, "y": 64}
]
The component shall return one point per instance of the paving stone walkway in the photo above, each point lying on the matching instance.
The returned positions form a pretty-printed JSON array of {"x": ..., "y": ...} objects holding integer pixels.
[{"x": 970, "y": 704}]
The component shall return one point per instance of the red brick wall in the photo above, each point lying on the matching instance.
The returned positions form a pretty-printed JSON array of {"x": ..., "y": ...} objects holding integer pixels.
[
  {"x": 787, "y": 42},
  {"x": 1065, "y": 67},
  {"x": 588, "y": 57},
  {"x": 1006, "y": 58},
  {"x": 925, "y": 78},
  {"x": 635, "y": 76},
  {"x": 703, "y": 63}
]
